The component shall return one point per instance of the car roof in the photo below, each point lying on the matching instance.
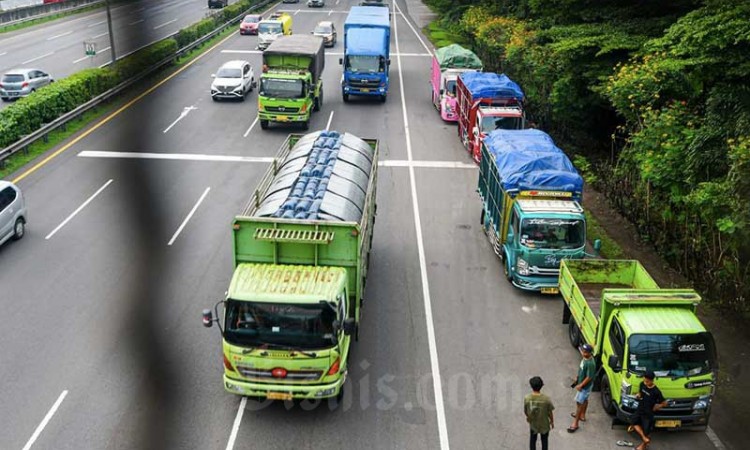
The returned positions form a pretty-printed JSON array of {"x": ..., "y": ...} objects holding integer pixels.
[
  {"x": 4, "y": 184},
  {"x": 237, "y": 63},
  {"x": 19, "y": 71}
]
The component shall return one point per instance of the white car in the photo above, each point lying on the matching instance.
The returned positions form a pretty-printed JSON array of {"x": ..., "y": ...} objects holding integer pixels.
[
  {"x": 12, "y": 212},
  {"x": 234, "y": 79}
]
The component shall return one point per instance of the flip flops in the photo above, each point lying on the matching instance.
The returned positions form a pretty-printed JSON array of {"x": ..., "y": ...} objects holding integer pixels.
[
  {"x": 573, "y": 415},
  {"x": 572, "y": 429},
  {"x": 625, "y": 443}
]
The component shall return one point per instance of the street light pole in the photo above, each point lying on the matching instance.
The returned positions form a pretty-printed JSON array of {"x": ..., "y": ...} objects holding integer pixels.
[{"x": 111, "y": 35}]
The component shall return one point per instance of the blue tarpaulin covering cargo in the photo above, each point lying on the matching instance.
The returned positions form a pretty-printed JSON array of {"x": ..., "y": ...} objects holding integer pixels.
[
  {"x": 491, "y": 85},
  {"x": 530, "y": 160},
  {"x": 367, "y": 42}
]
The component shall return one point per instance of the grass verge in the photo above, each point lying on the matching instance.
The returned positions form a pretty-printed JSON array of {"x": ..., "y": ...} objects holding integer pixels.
[
  {"x": 55, "y": 138},
  {"x": 610, "y": 248},
  {"x": 31, "y": 23},
  {"x": 440, "y": 36}
]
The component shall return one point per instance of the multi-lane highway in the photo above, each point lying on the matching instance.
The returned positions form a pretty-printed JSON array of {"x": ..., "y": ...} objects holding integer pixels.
[
  {"x": 129, "y": 239},
  {"x": 58, "y": 47}
]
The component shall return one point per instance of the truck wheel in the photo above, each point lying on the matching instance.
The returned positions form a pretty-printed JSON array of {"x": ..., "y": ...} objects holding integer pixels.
[
  {"x": 318, "y": 101},
  {"x": 481, "y": 218},
  {"x": 306, "y": 125},
  {"x": 346, "y": 97},
  {"x": 19, "y": 229},
  {"x": 383, "y": 98},
  {"x": 335, "y": 402},
  {"x": 566, "y": 314},
  {"x": 506, "y": 269},
  {"x": 574, "y": 334},
  {"x": 607, "y": 403},
  {"x": 264, "y": 124}
]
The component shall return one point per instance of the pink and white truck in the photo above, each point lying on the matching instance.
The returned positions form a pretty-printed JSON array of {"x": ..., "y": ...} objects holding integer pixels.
[{"x": 447, "y": 64}]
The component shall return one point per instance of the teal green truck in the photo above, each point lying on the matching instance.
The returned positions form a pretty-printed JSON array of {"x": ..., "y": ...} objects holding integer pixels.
[
  {"x": 301, "y": 254},
  {"x": 291, "y": 84},
  {"x": 634, "y": 326}
]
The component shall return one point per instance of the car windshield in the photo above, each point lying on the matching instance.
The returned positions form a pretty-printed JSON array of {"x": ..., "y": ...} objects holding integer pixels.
[
  {"x": 364, "y": 64},
  {"x": 272, "y": 28},
  {"x": 672, "y": 355},
  {"x": 12, "y": 78},
  {"x": 553, "y": 233},
  {"x": 226, "y": 72},
  {"x": 323, "y": 29},
  {"x": 307, "y": 326},
  {"x": 281, "y": 88},
  {"x": 450, "y": 87},
  {"x": 491, "y": 123},
  {"x": 251, "y": 19}
]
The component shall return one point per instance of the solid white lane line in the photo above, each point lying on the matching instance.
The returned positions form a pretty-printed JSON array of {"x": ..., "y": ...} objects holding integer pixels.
[
  {"x": 3, "y": 53},
  {"x": 99, "y": 35},
  {"x": 95, "y": 24},
  {"x": 70, "y": 217},
  {"x": 38, "y": 57},
  {"x": 136, "y": 22},
  {"x": 434, "y": 363},
  {"x": 60, "y": 35},
  {"x": 45, "y": 421},
  {"x": 330, "y": 118},
  {"x": 185, "y": 111},
  {"x": 165, "y": 24},
  {"x": 236, "y": 424},
  {"x": 103, "y": 50},
  {"x": 412, "y": 29},
  {"x": 190, "y": 215},
  {"x": 250, "y": 127},
  {"x": 80, "y": 59},
  {"x": 427, "y": 164},
  {"x": 715, "y": 439},
  {"x": 173, "y": 156}
]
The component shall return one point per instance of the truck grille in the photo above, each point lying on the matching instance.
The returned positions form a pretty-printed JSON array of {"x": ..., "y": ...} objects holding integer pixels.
[
  {"x": 681, "y": 407},
  {"x": 371, "y": 84},
  {"x": 282, "y": 109},
  {"x": 292, "y": 375}
]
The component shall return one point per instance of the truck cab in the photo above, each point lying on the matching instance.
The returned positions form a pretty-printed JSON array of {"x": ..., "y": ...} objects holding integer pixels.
[
  {"x": 366, "y": 60},
  {"x": 491, "y": 118},
  {"x": 540, "y": 234},
  {"x": 278, "y": 24},
  {"x": 447, "y": 64}
]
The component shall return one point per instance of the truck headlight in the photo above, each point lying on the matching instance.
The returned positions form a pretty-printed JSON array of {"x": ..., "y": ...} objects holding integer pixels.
[
  {"x": 703, "y": 402},
  {"x": 629, "y": 401},
  {"x": 522, "y": 267}
]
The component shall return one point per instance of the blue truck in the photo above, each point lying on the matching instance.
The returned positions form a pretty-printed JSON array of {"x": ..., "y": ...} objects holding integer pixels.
[
  {"x": 530, "y": 194},
  {"x": 367, "y": 45}
]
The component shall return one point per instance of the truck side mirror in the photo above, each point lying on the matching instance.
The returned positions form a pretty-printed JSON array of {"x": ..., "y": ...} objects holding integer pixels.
[
  {"x": 336, "y": 325},
  {"x": 213, "y": 75},
  {"x": 475, "y": 131},
  {"x": 349, "y": 326},
  {"x": 597, "y": 246},
  {"x": 208, "y": 318},
  {"x": 614, "y": 363},
  {"x": 341, "y": 61},
  {"x": 388, "y": 61},
  {"x": 442, "y": 91}
]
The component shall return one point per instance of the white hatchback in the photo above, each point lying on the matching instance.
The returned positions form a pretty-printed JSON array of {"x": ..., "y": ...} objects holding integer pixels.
[
  {"x": 234, "y": 79},
  {"x": 12, "y": 212}
]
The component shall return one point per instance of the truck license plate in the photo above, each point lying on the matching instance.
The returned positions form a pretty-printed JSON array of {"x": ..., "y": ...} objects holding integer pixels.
[
  {"x": 282, "y": 118},
  {"x": 365, "y": 90},
  {"x": 279, "y": 396},
  {"x": 668, "y": 423},
  {"x": 550, "y": 290}
]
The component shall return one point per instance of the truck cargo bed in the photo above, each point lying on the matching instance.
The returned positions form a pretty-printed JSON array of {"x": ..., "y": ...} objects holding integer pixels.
[{"x": 592, "y": 292}]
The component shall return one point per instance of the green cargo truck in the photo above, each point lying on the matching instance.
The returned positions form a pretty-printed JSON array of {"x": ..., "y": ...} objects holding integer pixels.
[
  {"x": 301, "y": 253},
  {"x": 291, "y": 85},
  {"x": 634, "y": 326}
]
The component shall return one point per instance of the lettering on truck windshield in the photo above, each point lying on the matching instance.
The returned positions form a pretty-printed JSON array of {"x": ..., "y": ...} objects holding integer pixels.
[
  {"x": 552, "y": 233},
  {"x": 259, "y": 324},
  {"x": 672, "y": 355}
]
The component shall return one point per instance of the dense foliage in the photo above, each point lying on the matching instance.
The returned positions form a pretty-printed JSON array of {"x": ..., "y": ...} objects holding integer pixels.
[{"x": 657, "y": 96}]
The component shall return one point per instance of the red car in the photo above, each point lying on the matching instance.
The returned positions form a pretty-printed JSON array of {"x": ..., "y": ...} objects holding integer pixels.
[{"x": 249, "y": 24}]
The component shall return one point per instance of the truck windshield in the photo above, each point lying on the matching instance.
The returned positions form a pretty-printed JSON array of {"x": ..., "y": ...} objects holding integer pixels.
[
  {"x": 281, "y": 88},
  {"x": 364, "y": 64},
  {"x": 491, "y": 123},
  {"x": 672, "y": 355},
  {"x": 450, "y": 87},
  {"x": 553, "y": 233},
  {"x": 251, "y": 324},
  {"x": 271, "y": 28}
]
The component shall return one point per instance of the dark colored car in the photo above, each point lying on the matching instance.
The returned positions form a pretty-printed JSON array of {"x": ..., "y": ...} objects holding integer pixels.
[
  {"x": 249, "y": 24},
  {"x": 217, "y": 3}
]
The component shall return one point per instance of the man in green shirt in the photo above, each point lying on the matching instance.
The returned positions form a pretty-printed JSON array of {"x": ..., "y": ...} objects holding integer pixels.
[
  {"x": 538, "y": 409},
  {"x": 583, "y": 384}
]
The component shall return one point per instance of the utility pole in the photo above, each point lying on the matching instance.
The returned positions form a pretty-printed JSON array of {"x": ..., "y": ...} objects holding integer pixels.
[{"x": 111, "y": 35}]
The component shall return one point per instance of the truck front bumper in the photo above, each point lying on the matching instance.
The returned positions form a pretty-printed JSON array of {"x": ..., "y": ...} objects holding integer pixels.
[
  {"x": 374, "y": 91},
  {"x": 543, "y": 284},
  {"x": 697, "y": 418},
  {"x": 290, "y": 118},
  {"x": 284, "y": 391}
]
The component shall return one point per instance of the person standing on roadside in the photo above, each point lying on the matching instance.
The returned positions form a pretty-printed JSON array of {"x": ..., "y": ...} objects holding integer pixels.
[
  {"x": 538, "y": 409},
  {"x": 650, "y": 400},
  {"x": 583, "y": 384}
]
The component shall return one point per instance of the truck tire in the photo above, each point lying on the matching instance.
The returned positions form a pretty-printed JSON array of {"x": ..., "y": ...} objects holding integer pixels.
[
  {"x": 607, "y": 403},
  {"x": 306, "y": 124},
  {"x": 263, "y": 124},
  {"x": 481, "y": 218},
  {"x": 506, "y": 269},
  {"x": 335, "y": 402},
  {"x": 318, "y": 104},
  {"x": 574, "y": 334},
  {"x": 346, "y": 97},
  {"x": 383, "y": 98},
  {"x": 566, "y": 314}
]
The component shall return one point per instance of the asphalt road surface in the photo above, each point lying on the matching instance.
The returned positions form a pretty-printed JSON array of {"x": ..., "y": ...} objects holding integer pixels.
[
  {"x": 58, "y": 47},
  {"x": 129, "y": 239}
]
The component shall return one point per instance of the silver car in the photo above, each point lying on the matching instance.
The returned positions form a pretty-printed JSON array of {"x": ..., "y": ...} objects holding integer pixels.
[
  {"x": 22, "y": 82},
  {"x": 12, "y": 212},
  {"x": 233, "y": 80},
  {"x": 326, "y": 30}
]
